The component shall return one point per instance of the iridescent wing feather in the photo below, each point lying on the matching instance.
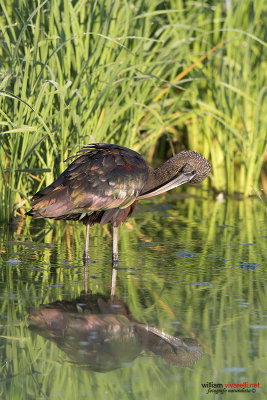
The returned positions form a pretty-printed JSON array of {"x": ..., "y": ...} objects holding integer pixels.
[{"x": 102, "y": 177}]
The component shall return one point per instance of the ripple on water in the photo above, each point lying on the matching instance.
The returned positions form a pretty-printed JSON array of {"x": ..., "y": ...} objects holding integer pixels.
[
  {"x": 243, "y": 265},
  {"x": 183, "y": 253},
  {"x": 258, "y": 326},
  {"x": 13, "y": 261},
  {"x": 233, "y": 369}
]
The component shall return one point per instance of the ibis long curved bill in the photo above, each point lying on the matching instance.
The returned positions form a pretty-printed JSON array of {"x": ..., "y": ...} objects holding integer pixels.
[{"x": 184, "y": 177}]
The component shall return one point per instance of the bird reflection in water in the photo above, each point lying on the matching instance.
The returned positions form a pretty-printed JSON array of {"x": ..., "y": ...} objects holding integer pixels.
[{"x": 100, "y": 333}]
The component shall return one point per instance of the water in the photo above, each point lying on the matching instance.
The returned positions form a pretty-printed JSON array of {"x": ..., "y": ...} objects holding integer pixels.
[{"x": 184, "y": 309}]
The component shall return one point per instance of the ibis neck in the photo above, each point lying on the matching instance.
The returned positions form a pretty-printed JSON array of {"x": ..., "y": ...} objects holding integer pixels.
[
  {"x": 160, "y": 175},
  {"x": 184, "y": 167}
]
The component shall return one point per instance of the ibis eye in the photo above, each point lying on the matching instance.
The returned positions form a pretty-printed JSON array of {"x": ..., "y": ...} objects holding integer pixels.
[{"x": 187, "y": 169}]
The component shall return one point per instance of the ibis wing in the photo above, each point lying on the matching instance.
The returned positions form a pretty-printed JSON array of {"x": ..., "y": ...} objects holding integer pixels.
[
  {"x": 101, "y": 178},
  {"x": 105, "y": 178}
]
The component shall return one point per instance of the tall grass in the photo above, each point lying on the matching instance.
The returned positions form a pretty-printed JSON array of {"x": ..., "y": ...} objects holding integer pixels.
[{"x": 150, "y": 75}]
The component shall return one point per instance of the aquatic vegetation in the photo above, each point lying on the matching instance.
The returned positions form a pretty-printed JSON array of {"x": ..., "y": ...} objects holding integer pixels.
[{"x": 157, "y": 77}]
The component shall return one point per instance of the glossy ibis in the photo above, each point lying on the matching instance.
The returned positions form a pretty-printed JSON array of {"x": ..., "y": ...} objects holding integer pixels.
[{"x": 105, "y": 181}]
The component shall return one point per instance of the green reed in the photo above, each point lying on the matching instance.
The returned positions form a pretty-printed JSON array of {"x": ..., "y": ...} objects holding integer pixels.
[{"x": 149, "y": 75}]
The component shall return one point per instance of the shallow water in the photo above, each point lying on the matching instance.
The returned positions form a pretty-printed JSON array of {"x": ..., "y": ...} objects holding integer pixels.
[{"x": 192, "y": 268}]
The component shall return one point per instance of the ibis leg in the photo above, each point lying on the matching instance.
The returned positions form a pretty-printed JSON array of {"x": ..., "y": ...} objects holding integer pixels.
[
  {"x": 85, "y": 266},
  {"x": 113, "y": 281},
  {"x": 86, "y": 253},
  {"x": 115, "y": 256}
]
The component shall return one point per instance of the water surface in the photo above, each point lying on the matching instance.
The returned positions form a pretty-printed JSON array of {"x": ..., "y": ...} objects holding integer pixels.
[{"x": 188, "y": 309}]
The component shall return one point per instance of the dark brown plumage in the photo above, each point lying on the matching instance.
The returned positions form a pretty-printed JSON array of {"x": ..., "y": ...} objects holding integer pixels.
[{"x": 105, "y": 181}]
